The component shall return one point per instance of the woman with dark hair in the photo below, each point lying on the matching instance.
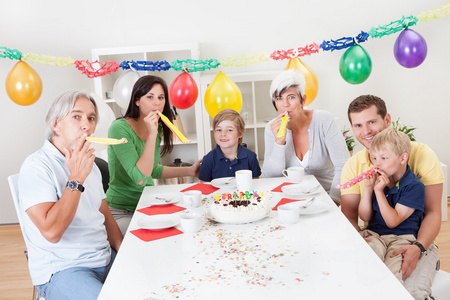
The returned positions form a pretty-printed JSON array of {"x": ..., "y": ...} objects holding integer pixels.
[{"x": 133, "y": 165}]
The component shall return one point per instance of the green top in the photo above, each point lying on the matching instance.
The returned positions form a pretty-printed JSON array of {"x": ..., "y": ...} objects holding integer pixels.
[{"x": 124, "y": 191}]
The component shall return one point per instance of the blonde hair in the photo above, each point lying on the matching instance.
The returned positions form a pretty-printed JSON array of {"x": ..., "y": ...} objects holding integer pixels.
[
  {"x": 230, "y": 115},
  {"x": 391, "y": 140}
]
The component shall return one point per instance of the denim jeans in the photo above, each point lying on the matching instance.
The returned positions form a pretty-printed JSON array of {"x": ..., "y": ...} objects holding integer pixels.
[{"x": 76, "y": 283}]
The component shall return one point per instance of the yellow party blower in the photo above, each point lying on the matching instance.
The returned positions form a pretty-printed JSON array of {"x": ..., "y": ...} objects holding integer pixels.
[{"x": 175, "y": 130}]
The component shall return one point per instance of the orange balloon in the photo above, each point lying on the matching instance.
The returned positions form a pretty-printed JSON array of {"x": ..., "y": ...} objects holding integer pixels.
[
  {"x": 312, "y": 85},
  {"x": 222, "y": 93},
  {"x": 23, "y": 84}
]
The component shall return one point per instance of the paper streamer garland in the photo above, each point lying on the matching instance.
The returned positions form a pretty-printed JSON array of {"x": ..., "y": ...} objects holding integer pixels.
[
  {"x": 193, "y": 65},
  {"x": 175, "y": 130},
  {"x": 145, "y": 65},
  {"x": 245, "y": 60},
  {"x": 106, "y": 141},
  {"x": 344, "y": 42},
  {"x": 356, "y": 179},
  {"x": 434, "y": 14},
  {"x": 48, "y": 60},
  {"x": 392, "y": 27},
  {"x": 297, "y": 52},
  {"x": 10, "y": 53},
  {"x": 86, "y": 67}
]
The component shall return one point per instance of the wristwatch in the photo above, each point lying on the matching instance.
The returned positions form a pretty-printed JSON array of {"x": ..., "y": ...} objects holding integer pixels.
[
  {"x": 421, "y": 247},
  {"x": 75, "y": 185}
]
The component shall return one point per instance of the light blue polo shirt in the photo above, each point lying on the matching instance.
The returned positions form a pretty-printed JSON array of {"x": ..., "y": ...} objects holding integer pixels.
[{"x": 43, "y": 177}]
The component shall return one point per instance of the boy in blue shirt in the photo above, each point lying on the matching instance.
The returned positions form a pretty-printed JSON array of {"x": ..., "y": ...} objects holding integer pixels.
[
  {"x": 393, "y": 199},
  {"x": 229, "y": 155}
]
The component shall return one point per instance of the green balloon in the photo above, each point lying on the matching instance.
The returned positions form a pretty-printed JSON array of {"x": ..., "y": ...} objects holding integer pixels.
[{"x": 355, "y": 65}]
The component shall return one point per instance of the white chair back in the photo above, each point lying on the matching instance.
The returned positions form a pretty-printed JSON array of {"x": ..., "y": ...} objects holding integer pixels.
[{"x": 13, "y": 181}]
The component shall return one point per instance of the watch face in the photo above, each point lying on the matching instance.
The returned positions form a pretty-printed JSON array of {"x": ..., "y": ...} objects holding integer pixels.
[{"x": 72, "y": 185}]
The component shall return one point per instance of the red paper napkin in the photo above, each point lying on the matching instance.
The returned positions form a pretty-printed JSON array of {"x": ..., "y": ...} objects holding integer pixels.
[
  {"x": 284, "y": 201},
  {"x": 206, "y": 189},
  {"x": 161, "y": 209},
  {"x": 153, "y": 235},
  {"x": 278, "y": 188}
]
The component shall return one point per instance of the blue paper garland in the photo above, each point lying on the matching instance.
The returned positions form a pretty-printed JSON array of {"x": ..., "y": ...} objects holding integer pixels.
[{"x": 142, "y": 65}]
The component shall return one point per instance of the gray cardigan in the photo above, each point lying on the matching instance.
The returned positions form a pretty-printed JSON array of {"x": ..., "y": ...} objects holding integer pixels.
[{"x": 328, "y": 153}]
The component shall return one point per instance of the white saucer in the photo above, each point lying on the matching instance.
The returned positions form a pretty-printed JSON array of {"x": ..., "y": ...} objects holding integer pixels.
[
  {"x": 164, "y": 199},
  {"x": 315, "y": 208},
  {"x": 300, "y": 189},
  {"x": 158, "y": 222},
  {"x": 224, "y": 182}
]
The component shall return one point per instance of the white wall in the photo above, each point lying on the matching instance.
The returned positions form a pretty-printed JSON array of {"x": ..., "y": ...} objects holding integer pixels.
[{"x": 419, "y": 96}]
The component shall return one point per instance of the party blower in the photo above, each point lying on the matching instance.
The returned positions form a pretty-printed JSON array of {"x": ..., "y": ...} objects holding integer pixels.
[{"x": 175, "y": 130}]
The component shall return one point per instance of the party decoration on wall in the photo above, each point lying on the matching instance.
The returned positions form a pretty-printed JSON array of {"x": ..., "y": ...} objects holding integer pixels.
[
  {"x": 175, "y": 130},
  {"x": 344, "y": 43},
  {"x": 96, "y": 68},
  {"x": 297, "y": 52},
  {"x": 48, "y": 60},
  {"x": 244, "y": 60},
  {"x": 355, "y": 65},
  {"x": 123, "y": 87},
  {"x": 410, "y": 49},
  {"x": 435, "y": 14},
  {"x": 222, "y": 93},
  {"x": 183, "y": 91},
  {"x": 145, "y": 65},
  {"x": 194, "y": 65},
  {"x": 23, "y": 85},
  {"x": 312, "y": 85},
  {"x": 10, "y": 53},
  {"x": 392, "y": 27}
]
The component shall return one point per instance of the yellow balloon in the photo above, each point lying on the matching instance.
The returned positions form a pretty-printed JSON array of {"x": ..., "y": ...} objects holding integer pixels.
[
  {"x": 312, "y": 85},
  {"x": 222, "y": 93},
  {"x": 23, "y": 84}
]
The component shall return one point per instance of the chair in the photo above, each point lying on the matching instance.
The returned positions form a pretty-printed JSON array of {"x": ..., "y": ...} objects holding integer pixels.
[
  {"x": 103, "y": 166},
  {"x": 441, "y": 285},
  {"x": 13, "y": 181}
]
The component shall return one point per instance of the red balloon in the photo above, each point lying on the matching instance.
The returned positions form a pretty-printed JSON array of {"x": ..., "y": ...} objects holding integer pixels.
[{"x": 183, "y": 91}]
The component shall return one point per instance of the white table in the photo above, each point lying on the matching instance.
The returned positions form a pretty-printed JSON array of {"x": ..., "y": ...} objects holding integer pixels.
[{"x": 319, "y": 257}]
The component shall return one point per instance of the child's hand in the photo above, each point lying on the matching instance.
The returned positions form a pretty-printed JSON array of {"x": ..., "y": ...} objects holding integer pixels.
[
  {"x": 382, "y": 180},
  {"x": 369, "y": 181}
]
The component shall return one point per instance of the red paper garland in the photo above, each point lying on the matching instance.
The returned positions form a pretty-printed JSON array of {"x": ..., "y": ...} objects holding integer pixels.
[
  {"x": 85, "y": 66},
  {"x": 297, "y": 52}
]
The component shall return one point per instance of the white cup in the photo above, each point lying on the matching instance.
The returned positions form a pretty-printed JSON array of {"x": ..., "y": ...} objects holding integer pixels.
[
  {"x": 191, "y": 222},
  {"x": 244, "y": 180},
  {"x": 192, "y": 199},
  {"x": 294, "y": 174},
  {"x": 288, "y": 213}
]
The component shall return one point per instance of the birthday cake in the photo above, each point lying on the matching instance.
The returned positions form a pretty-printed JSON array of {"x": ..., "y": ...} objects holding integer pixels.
[{"x": 239, "y": 207}]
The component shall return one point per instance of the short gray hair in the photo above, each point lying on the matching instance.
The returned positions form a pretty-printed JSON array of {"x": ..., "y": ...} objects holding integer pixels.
[
  {"x": 285, "y": 80},
  {"x": 61, "y": 106}
]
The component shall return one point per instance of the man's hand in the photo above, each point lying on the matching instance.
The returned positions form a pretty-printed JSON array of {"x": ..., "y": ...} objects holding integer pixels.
[
  {"x": 411, "y": 255},
  {"x": 80, "y": 160}
]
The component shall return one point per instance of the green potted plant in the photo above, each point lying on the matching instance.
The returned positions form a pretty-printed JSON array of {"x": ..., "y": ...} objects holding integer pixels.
[
  {"x": 349, "y": 140},
  {"x": 408, "y": 130}
]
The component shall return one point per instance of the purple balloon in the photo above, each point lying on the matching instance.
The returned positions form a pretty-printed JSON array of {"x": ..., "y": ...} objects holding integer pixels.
[{"x": 410, "y": 49}]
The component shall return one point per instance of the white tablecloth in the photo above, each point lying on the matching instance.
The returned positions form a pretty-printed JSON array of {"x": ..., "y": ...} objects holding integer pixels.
[{"x": 320, "y": 257}]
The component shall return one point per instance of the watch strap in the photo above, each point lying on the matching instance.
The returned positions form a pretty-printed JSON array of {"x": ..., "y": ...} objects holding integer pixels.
[
  {"x": 421, "y": 247},
  {"x": 75, "y": 185}
]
